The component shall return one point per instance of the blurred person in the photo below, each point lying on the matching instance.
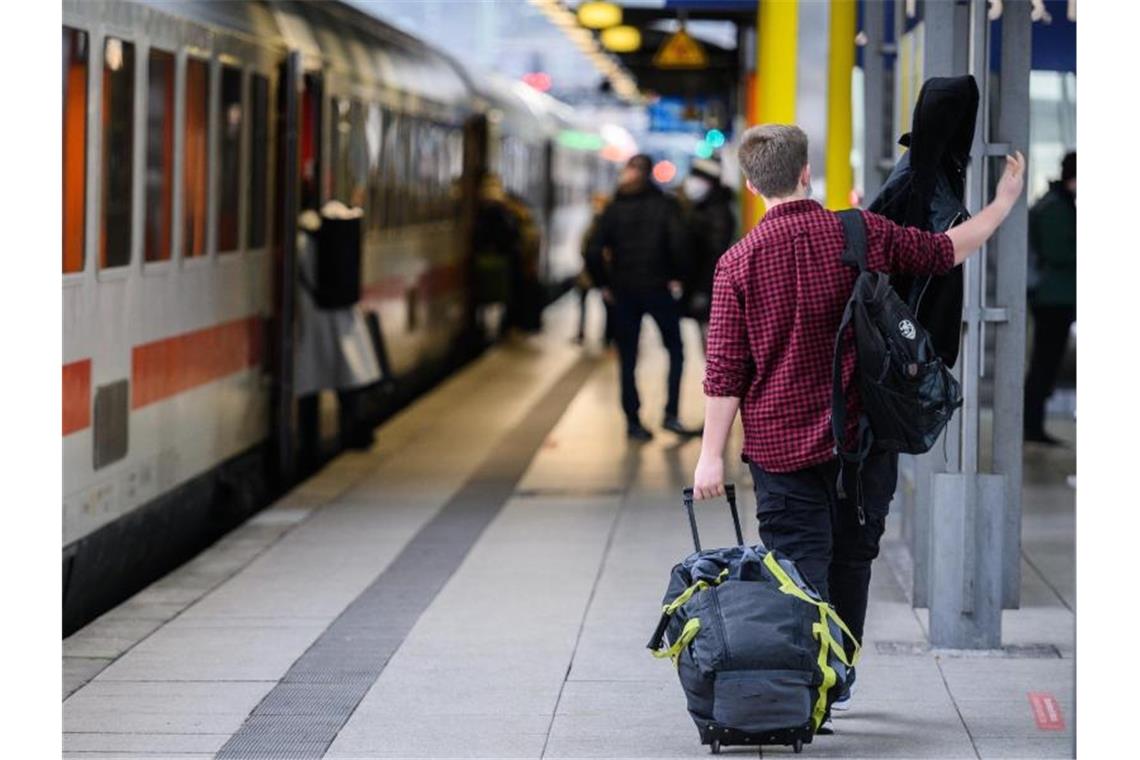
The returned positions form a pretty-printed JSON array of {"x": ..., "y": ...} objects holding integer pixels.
[
  {"x": 525, "y": 307},
  {"x": 335, "y": 350},
  {"x": 497, "y": 243},
  {"x": 711, "y": 228},
  {"x": 1053, "y": 295},
  {"x": 778, "y": 299},
  {"x": 584, "y": 283},
  {"x": 641, "y": 228}
]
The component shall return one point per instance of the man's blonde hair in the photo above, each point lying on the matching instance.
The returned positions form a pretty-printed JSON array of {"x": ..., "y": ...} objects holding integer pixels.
[{"x": 772, "y": 157}]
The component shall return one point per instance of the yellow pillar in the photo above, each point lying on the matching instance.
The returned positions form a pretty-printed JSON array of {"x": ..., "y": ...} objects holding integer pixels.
[
  {"x": 840, "y": 63},
  {"x": 775, "y": 97}
]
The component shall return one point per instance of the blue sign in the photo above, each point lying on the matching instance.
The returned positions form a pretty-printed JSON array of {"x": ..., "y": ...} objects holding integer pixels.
[{"x": 688, "y": 115}]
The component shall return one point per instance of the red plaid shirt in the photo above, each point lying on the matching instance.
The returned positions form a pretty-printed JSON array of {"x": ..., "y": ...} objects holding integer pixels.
[{"x": 778, "y": 298}]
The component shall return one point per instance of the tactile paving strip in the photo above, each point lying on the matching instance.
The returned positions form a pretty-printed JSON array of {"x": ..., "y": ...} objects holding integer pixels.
[{"x": 302, "y": 714}]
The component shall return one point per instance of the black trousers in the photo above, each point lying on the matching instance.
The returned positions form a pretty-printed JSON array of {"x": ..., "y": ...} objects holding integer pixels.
[
  {"x": 1050, "y": 339},
  {"x": 802, "y": 517},
  {"x": 628, "y": 309}
]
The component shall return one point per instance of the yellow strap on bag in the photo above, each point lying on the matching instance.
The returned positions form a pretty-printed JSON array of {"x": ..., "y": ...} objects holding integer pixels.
[
  {"x": 822, "y": 631},
  {"x": 688, "y": 633},
  {"x": 687, "y": 594}
]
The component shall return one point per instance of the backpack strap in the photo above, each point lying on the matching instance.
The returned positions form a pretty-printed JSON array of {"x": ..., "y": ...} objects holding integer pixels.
[
  {"x": 839, "y": 399},
  {"x": 855, "y": 239},
  {"x": 855, "y": 256}
]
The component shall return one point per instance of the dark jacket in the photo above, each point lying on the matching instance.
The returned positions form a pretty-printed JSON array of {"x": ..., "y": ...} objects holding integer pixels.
[
  {"x": 926, "y": 189},
  {"x": 711, "y": 228},
  {"x": 1053, "y": 241},
  {"x": 643, "y": 231}
]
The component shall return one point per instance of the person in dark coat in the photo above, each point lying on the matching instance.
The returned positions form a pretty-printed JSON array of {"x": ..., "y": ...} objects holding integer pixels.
[
  {"x": 584, "y": 283},
  {"x": 1053, "y": 297},
  {"x": 642, "y": 230},
  {"x": 711, "y": 228}
]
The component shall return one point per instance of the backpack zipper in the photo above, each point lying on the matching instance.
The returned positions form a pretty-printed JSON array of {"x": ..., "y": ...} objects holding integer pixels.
[{"x": 918, "y": 303}]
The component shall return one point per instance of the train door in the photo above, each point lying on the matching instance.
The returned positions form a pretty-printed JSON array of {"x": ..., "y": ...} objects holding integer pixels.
[
  {"x": 287, "y": 198},
  {"x": 475, "y": 165}
]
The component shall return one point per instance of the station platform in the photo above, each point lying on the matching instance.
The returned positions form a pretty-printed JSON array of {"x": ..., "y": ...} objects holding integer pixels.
[{"x": 482, "y": 582}]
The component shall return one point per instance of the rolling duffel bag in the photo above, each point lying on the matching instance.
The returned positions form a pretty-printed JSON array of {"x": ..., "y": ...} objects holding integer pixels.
[{"x": 760, "y": 656}]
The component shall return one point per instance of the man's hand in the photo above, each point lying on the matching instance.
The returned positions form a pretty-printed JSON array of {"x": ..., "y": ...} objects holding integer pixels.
[
  {"x": 607, "y": 295},
  {"x": 708, "y": 480},
  {"x": 676, "y": 289},
  {"x": 969, "y": 236},
  {"x": 1012, "y": 180}
]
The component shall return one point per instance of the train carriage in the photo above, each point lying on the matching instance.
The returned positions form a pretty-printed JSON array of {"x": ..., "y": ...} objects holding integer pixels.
[{"x": 193, "y": 135}]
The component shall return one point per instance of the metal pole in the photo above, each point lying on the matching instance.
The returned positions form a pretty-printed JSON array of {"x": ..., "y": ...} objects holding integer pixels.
[
  {"x": 967, "y": 509},
  {"x": 1009, "y": 248},
  {"x": 876, "y": 129},
  {"x": 944, "y": 45}
]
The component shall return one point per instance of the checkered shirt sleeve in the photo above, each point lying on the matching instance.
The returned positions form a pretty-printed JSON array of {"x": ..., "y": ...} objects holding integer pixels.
[{"x": 728, "y": 362}]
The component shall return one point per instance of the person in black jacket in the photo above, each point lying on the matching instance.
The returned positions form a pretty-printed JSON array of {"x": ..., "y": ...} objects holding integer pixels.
[
  {"x": 711, "y": 228},
  {"x": 641, "y": 228}
]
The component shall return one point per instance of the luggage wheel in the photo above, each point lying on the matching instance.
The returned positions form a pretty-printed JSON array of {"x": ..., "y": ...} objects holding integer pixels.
[
  {"x": 714, "y": 747},
  {"x": 798, "y": 746}
]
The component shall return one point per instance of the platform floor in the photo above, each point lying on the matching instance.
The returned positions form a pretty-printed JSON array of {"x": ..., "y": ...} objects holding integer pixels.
[{"x": 483, "y": 581}]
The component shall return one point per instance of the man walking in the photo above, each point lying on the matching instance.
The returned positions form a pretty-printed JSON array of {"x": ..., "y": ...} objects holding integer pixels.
[
  {"x": 1053, "y": 299},
  {"x": 778, "y": 298},
  {"x": 641, "y": 228}
]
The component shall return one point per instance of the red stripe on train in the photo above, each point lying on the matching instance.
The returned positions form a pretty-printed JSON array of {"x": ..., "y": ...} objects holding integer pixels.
[
  {"x": 76, "y": 396},
  {"x": 172, "y": 365}
]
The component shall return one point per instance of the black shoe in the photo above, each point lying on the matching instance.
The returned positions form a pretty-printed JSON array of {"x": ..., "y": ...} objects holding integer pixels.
[
  {"x": 674, "y": 425},
  {"x": 1043, "y": 438},
  {"x": 637, "y": 432}
]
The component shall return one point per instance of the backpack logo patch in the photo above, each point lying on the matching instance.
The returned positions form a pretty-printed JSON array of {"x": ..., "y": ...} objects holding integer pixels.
[{"x": 906, "y": 327}]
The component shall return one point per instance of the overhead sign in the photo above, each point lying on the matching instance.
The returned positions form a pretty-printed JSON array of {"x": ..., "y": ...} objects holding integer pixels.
[
  {"x": 690, "y": 115},
  {"x": 681, "y": 52}
]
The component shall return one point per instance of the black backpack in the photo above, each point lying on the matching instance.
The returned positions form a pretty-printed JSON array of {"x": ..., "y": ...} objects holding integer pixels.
[{"x": 908, "y": 393}]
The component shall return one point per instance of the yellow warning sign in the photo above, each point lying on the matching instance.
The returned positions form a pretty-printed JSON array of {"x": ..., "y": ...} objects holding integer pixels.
[{"x": 681, "y": 52}]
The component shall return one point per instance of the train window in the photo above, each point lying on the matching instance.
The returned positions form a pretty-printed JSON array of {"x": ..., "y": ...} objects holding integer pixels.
[
  {"x": 159, "y": 154},
  {"x": 390, "y": 156},
  {"x": 374, "y": 132},
  {"x": 195, "y": 158},
  {"x": 350, "y": 153},
  {"x": 310, "y": 148},
  {"x": 74, "y": 148},
  {"x": 230, "y": 117},
  {"x": 258, "y": 159},
  {"x": 118, "y": 148}
]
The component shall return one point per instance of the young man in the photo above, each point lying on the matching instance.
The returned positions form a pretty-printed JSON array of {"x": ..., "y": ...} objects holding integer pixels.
[{"x": 778, "y": 296}]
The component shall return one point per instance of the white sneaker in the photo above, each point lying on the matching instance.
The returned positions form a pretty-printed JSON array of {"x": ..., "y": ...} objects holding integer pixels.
[{"x": 843, "y": 704}]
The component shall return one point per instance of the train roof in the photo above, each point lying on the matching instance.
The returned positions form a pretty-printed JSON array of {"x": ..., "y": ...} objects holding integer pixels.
[{"x": 333, "y": 35}]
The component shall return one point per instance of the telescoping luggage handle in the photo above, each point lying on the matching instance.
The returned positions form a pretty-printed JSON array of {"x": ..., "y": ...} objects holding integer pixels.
[{"x": 730, "y": 494}]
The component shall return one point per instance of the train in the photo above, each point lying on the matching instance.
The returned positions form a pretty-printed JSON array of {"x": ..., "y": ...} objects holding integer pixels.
[{"x": 194, "y": 135}]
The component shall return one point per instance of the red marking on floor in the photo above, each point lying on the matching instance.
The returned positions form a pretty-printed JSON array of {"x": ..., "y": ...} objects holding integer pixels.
[
  {"x": 1046, "y": 711},
  {"x": 165, "y": 367},
  {"x": 76, "y": 396}
]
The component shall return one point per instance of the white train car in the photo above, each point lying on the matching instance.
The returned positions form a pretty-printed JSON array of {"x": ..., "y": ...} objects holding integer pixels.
[{"x": 193, "y": 135}]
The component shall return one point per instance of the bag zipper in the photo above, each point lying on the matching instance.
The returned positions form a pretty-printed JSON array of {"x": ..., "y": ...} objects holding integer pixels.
[{"x": 918, "y": 303}]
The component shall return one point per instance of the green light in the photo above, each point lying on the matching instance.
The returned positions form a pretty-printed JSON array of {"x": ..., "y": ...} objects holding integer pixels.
[
  {"x": 703, "y": 150},
  {"x": 575, "y": 140},
  {"x": 715, "y": 138}
]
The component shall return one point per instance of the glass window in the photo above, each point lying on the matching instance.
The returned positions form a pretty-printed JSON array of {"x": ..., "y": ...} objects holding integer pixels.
[
  {"x": 258, "y": 159},
  {"x": 74, "y": 148},
  {"x": 230, "y": 118},
  {"x": 118, "y": 143},
  {"x": 350, "y": 153},
  {"x": 159, "y": 154},
  {"x": 195, "y": 158},
  {"x": 374, "y": 133}
]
